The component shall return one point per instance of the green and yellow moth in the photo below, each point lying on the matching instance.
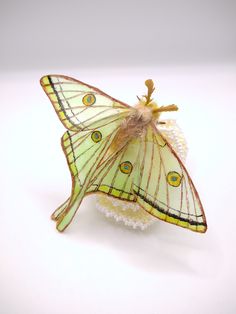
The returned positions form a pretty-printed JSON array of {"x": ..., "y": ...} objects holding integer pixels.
[{"x": 118, "y": 150}]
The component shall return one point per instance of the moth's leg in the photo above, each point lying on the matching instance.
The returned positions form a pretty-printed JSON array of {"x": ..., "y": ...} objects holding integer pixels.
[
  {"x": 55, "y": 215},
  {"x": 66, "y": 216}
]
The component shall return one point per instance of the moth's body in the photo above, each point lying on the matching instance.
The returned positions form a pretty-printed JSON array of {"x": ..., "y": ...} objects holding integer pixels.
[
  {"x": 117, "y": 149},
  {"x": 133, "y": 126}
]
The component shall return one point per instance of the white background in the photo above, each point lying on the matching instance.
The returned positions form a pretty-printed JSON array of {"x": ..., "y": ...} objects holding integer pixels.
[{"x": 97, "y": 265}]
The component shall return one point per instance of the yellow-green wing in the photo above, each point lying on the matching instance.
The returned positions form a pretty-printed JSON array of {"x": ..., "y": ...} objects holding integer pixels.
[
  {"x": 115, "y": 175},
  {"x": 84, "y": 149},
  {"x": 163, "y": 186},
  {"x": 94, "y": 166},
  {"x": 80, "y": 106}
]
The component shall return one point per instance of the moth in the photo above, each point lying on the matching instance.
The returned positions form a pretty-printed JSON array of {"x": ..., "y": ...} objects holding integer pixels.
[{"x": 117, "y": 149}]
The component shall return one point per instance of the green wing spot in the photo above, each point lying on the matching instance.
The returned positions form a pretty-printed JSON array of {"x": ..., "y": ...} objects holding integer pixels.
[
  {"x": 89, "y": 100},
  {"x": 96, "y": 136},
  {"x": 126, "y": 167}
]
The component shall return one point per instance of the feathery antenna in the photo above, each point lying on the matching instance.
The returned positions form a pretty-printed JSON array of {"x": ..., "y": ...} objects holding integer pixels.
[{"x": 150, "y": 86}]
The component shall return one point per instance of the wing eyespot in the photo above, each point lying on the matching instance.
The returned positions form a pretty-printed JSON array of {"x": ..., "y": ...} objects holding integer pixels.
[
  {"x": 174, "y": 178},
  {"x": 96, "y": 136},
  {"x": 126, "y": 167},
  {"x": 89, "y": 99}
]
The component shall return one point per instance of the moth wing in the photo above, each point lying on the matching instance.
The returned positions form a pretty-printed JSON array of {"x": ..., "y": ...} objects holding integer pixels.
[
  {"x": 80, "y": 106},
  {"x": 145, "y": 170},
  {"x": 115, "y": 175},
  {"x": 84, "y": 149},
  {"x": 163, "y": 186}
]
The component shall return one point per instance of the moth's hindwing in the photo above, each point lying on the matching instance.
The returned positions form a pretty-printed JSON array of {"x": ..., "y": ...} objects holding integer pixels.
[{"x": 163, "y": 186}]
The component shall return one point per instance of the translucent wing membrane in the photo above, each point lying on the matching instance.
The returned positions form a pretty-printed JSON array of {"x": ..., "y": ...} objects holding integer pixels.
[
  {"x": 115, "y": 175},
  {"x": 82, "y": 149},
  {"x": 90, "y": 159},
  {"x": 79, "y": 105},
  {"x": 144, "y": 170},
  {"x": 163, "y": 186}
]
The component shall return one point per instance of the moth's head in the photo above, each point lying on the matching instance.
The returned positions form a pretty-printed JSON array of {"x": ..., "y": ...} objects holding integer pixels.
[{"x": 147, "y": 102}]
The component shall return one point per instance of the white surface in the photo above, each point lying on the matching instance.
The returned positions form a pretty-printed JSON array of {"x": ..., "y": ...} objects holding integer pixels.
[{"x": 98, "y": 266}]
